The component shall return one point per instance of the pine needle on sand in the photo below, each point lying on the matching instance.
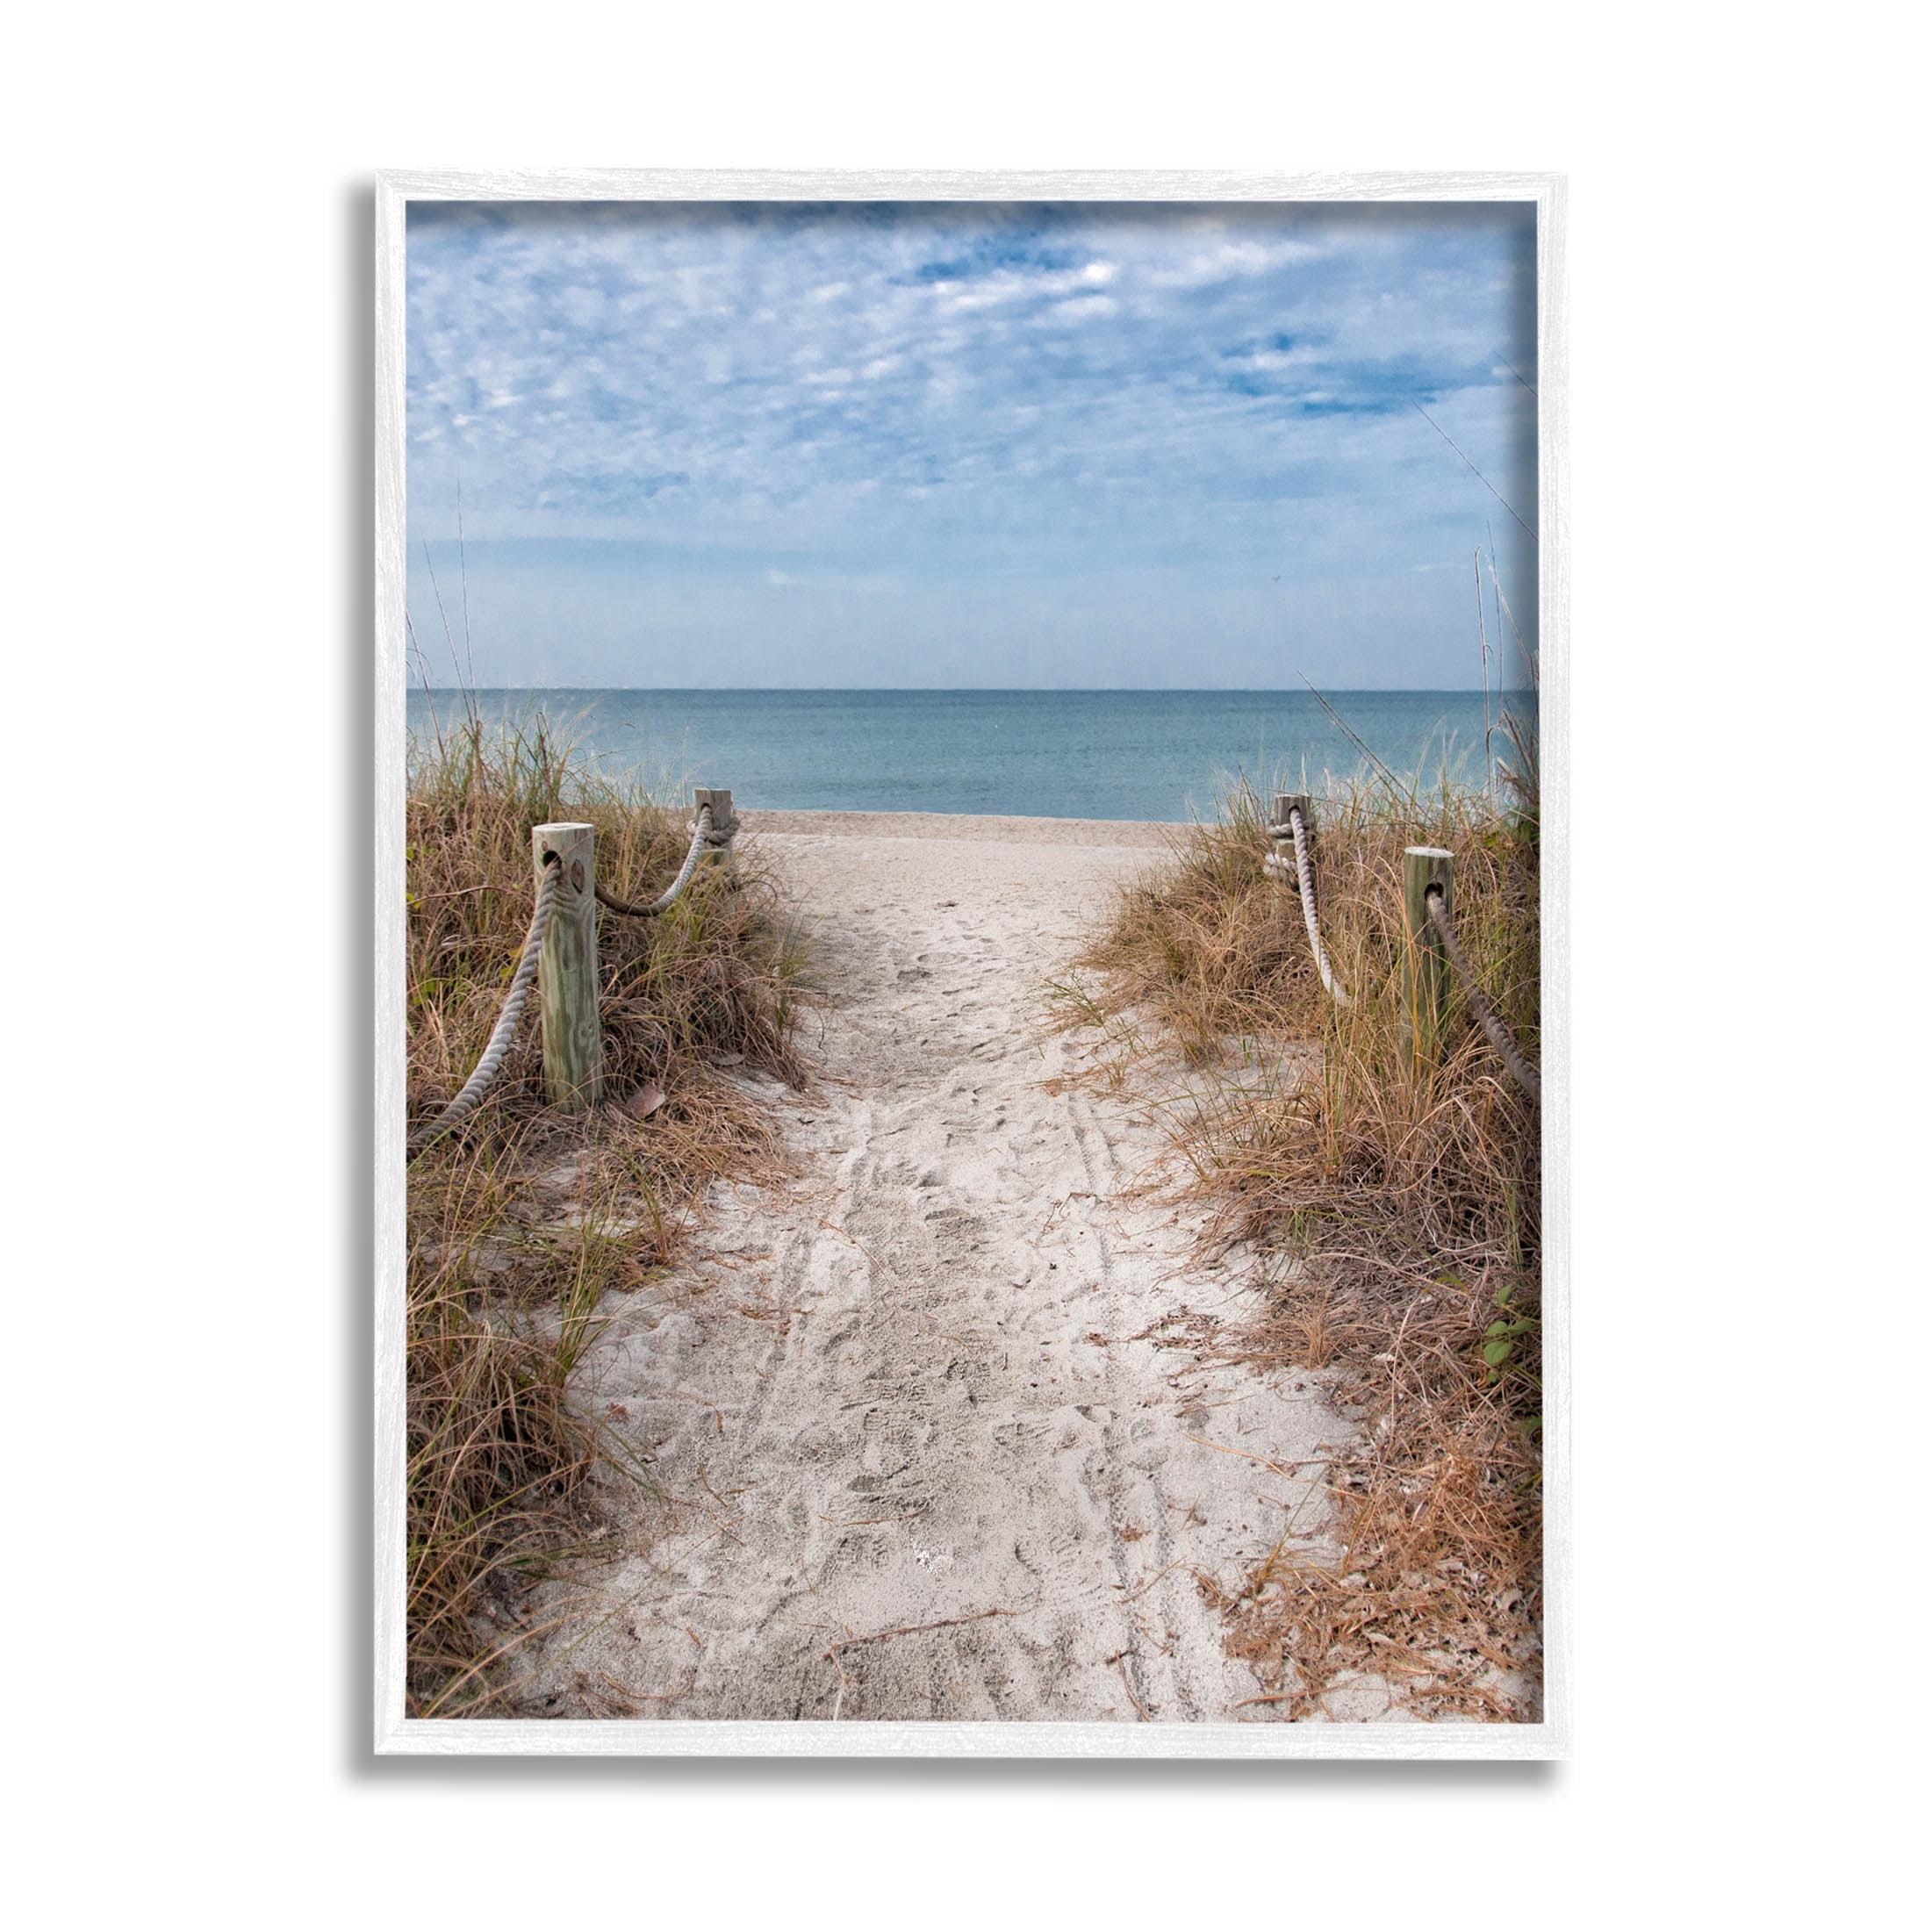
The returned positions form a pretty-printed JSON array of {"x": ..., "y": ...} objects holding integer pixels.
[
  {"x": 1392, "y": 1213},
  {"x": 523, "y": 1221}
]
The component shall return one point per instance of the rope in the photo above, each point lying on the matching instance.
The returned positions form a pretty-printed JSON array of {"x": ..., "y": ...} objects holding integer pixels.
[
  {"x": 483, "y": 1078},
  {"x": 1506, "y": 1050},
  {"x": 1306, "y": 879},
  {"x": 701, "y": 836}
]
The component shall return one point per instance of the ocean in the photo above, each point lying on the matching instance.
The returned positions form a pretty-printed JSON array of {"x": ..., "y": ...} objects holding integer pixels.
[{"x": 1159, "y": 755}]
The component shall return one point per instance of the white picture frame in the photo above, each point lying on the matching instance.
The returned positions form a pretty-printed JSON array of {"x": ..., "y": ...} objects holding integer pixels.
[{"x": 397, "y": 1733}]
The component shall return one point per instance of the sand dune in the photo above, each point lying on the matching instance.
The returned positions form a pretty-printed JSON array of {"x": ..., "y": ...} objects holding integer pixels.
[{"x": 920, "y": 1457}]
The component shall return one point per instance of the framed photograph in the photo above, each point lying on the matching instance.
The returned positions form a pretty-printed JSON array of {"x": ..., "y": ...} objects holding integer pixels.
[{"x": 971, "y": 923}]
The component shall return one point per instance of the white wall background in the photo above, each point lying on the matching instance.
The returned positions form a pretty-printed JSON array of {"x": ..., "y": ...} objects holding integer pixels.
[{"x": 187, "y": 456}]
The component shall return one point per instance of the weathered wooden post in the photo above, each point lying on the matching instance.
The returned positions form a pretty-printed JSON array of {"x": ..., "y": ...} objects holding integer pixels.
[
  {"x": 566, "y": 973},
  {"x": 1426, "y": 966},
  {"x": 1286, "y": 801},
  {"x": 724, "y": 821}
]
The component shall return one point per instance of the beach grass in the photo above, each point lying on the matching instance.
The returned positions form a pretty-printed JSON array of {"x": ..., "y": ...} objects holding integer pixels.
[
  {"x": 524, "y": 1220},
  {"x": 1392, "y": 1208}
]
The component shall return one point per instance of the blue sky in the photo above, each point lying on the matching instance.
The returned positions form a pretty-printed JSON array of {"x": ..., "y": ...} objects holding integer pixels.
[{"x": 1005, "y": 445}]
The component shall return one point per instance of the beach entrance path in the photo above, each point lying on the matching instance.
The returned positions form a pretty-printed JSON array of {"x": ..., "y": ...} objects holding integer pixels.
[{"x": 929, "y": 1439}]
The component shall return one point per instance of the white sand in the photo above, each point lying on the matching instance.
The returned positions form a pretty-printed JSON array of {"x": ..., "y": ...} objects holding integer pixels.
[{"x": 907, "y": 1389}]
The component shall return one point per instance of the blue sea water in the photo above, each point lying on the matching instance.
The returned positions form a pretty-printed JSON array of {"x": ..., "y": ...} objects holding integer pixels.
[{"x": 1160, "y": 755}]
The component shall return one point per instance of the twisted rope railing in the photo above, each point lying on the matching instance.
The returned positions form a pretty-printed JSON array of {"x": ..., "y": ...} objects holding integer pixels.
[
  {"x": 1521, "y": 1070},
  {"x": 702, "y": 836},
  {"x": 490, "y": 1064},
  {"x": 1306, "y": 878}
]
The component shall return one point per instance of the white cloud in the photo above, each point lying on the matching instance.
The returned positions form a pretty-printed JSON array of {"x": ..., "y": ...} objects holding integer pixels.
[
  {"x": 800, "y": 385},
  {"x": 1083, "y": 307},
  {"x": 1007, "y": 285},
  {"x": 1229, "y": 259}
]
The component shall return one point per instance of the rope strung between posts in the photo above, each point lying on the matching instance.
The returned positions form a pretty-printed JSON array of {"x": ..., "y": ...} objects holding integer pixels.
[
  {"x": 1506, "y": 1050},
  {"x": 1306, "y": 879},
  {"x": 701, "y": 836},
  {"x": 483, "y": 1078}
]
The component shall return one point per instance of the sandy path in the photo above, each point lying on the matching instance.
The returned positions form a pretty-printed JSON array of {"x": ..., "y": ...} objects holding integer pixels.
[{"x": 904, "y": 1392}]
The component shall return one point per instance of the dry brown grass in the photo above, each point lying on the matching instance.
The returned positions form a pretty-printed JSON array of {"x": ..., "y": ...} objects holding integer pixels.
[
  {"x": 1394, "y": 1208},
  {"x": 524, "y": 1220}
]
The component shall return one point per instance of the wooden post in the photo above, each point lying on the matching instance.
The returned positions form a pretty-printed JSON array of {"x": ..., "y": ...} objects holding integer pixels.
[
  {"x": 566, "y": 973},
  {"x": 1426, "y": 966},
  {"x": 723, "y": 819}
]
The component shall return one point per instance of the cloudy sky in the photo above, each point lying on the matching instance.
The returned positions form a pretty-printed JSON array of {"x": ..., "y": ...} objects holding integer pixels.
[{"x": 951, "y": 445}]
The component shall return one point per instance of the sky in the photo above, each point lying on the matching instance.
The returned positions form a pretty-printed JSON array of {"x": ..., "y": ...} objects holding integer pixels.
[{"x": 1006, "y": 446}]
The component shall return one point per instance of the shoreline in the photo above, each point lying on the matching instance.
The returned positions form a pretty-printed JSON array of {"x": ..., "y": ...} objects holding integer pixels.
[{"x": 1140, "y": 834}]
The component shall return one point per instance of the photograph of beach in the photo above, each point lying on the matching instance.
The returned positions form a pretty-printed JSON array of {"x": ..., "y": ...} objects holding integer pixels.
[
  {"x": 935, "y": 1006},
  {"x": 973, "y": 964}
]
